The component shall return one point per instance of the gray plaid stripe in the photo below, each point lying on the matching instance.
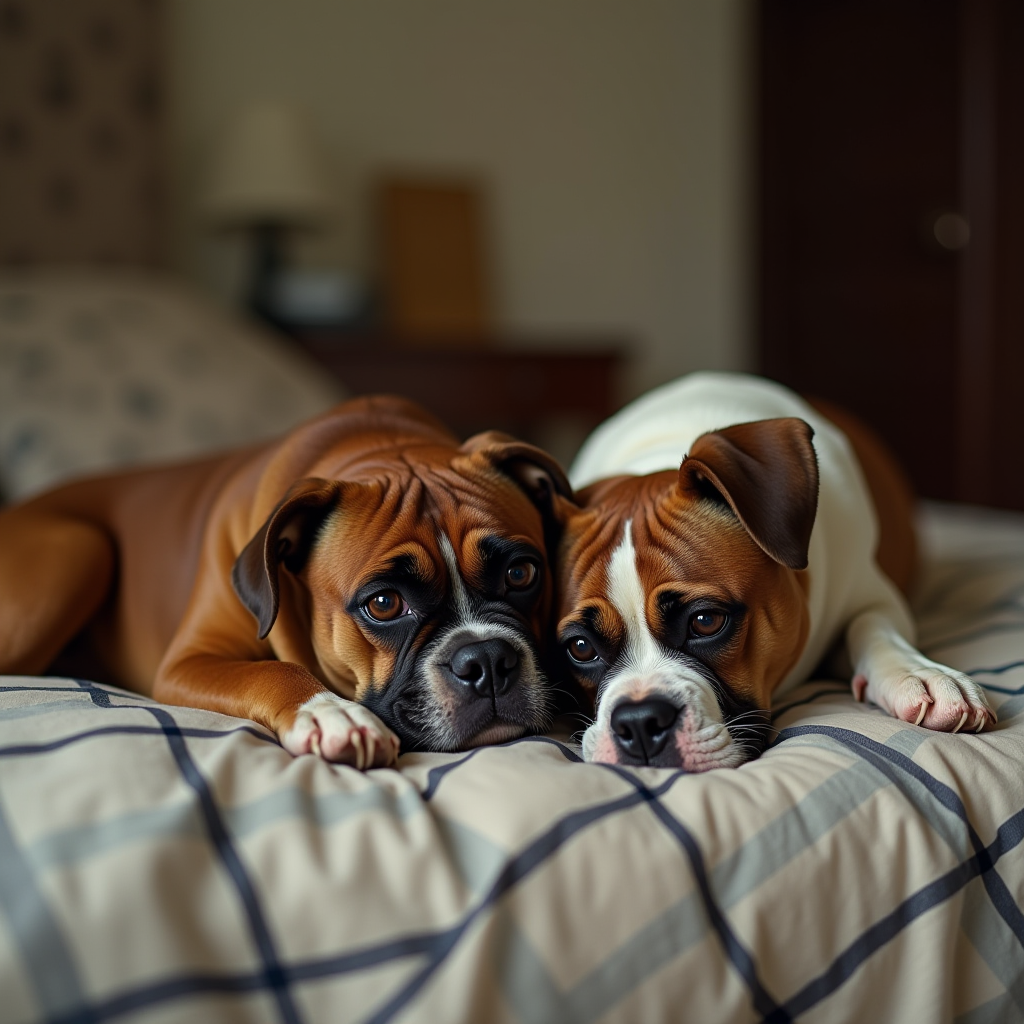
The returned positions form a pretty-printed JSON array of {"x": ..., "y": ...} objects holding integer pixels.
[
  {"x": 527, "y": 973},
  {"x": 536, "y": 996},
  {"x": 683, "y": 924},
  {"x": 74, "y": 845},
  {"x": 321, "y": 811},
  {"x": 45, "y": 708},
  {"x": 46, "y": 955},
  {"x": 995, "y": 943},
  {"x": 1000, "y": 1010}
]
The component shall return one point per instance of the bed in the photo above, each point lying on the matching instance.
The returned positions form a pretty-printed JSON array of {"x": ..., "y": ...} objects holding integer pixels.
[
  {"x": 166, "y": 864},
  {"x": 104, "y": 369},
  {"x": 162, "y": 863}
]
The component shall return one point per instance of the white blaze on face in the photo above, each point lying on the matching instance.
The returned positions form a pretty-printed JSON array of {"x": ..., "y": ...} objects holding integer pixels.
[
  {"x": 462, "y": 605},
  {"x": 645, "y": 659},
  {"x": 646, "y": 668},
  {"x": 466, "y": 628},
  {"x": 468, "y": 625}
]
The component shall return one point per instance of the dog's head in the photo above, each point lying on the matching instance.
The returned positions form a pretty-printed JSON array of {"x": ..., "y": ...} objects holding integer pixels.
[
  {"x": 419, "y": 586},
  {"x": 682, "y": 600}
]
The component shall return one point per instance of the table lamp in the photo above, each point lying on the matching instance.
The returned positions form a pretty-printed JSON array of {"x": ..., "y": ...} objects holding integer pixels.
[{"x": 268, "y": 176}]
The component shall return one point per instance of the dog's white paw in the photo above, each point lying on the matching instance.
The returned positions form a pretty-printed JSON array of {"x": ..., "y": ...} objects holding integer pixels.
[
  {"x": 928, "y": 694},
  {"x": 341, "y": 731}
]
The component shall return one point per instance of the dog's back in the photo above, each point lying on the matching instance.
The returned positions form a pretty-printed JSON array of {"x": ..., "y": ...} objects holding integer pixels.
[{"x": 891, "y": 494}]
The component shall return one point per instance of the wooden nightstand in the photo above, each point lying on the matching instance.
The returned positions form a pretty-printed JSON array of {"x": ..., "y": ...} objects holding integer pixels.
[{"x": 533, "y": 392}]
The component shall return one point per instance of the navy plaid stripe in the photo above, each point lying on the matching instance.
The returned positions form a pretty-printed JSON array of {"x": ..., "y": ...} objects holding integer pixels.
[
  {"x": 97, "y": 694},
  {"x": 26, "y": 749},
  {"x": 514, "y": 872},
  {"x": 739, "y": 956},
  {"x": 242, "y": 982},
  {"x": 982, "y": 863},
  {"x": 833, "y": 691},
  {"x": 885, "y": 930},
  {"x": 872, "y": 940},
  {"x": 997, "y": 671},
  {"x": 63, "y": 689},
  {"x": 273, "y": 975},
  {"x": 159, "y": 993},
  {"x": 885, "y": 758},
  {"x": 436, "y": 775},
  {"x": 567, "y": 752},
  {"x": 48, "y": 960},
  {"x": 436, "y": 945},
  {"x": 277, "y": 976}
]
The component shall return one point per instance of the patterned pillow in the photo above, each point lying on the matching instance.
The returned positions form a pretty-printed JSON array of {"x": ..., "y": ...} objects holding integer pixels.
[{"x": 102, "y": 369}]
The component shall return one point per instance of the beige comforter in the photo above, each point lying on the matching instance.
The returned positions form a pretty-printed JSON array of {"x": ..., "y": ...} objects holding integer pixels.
[{"x": 162, "y": 864}]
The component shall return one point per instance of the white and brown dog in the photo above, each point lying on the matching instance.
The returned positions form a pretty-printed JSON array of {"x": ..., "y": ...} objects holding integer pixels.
[{"x": 692, "y": 594}]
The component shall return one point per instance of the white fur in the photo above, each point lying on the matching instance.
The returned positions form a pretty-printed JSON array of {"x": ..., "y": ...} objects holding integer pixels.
[
  {"x": 464, "y": 630},
  {"x": 343, "y": 731},
  {"x": 468, "y": 629},
  {"x": 647, "y": 668},
  {"x": 848, "y": 593},
  {"x": 458, "y": 584}
]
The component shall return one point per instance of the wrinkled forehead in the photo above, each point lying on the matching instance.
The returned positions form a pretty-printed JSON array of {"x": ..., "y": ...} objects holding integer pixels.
[
  {"x": 474, "y": 504},
  {"x": 674, "y": 543},
  {"x": 433, "y": 520}
]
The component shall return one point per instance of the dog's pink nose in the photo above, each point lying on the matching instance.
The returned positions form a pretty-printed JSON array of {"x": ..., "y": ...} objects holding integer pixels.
[
  {"x": 642, "y": 729},
  {"x": 487, "y": 667}
]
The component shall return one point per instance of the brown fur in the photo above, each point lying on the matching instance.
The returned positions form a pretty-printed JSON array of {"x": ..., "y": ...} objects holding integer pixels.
[
  {"x": 685, "y": 547},
  {"x": 128, "y": 578},
  {"x": 688, "y": 545},
  {"x": 891, "y": 494}
]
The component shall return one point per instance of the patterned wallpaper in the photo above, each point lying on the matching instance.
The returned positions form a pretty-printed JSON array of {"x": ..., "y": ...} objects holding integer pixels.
[{"x": 80, "y": 131}]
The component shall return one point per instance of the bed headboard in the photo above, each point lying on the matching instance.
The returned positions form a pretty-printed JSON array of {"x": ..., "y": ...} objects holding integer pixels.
[{"x": 80, "y": 132}]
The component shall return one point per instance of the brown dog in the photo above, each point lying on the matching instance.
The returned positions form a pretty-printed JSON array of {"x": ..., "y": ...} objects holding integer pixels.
[
  {"x": 363, "y": 582},
  {"x": 732, "y": 537}
]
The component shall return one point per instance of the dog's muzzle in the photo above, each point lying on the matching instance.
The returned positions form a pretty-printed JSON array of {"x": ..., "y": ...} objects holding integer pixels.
[
  {"x": 680, "y": 723},
  {"x": 478, "y": 683},
  {"x": 641, "y": 730},
  {"x": 484, "y": 669}
]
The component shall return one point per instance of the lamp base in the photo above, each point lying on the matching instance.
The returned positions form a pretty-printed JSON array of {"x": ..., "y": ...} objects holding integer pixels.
[{"x": 267, "y": 263}]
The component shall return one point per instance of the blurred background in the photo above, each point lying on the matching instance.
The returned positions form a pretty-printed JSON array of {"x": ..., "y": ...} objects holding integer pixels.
[{"x": 216, "y": 216}]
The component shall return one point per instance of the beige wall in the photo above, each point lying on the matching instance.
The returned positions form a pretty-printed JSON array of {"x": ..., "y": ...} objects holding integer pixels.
[{"x": 613, "y": 135}]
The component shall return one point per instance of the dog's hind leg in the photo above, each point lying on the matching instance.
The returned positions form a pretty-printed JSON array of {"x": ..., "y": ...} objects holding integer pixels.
[{"x": 55, "y": 573}]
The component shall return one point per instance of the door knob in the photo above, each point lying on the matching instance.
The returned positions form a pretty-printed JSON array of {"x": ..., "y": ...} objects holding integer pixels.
[{"x": 951, "y": 230}]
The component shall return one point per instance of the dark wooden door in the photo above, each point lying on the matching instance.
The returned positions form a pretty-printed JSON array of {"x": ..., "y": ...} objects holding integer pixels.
[{"x": 890, "y": 267}]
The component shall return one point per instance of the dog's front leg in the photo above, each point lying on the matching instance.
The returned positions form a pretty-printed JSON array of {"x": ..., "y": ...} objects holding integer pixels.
[
  {"x": 285, "y": 697},
  {"x": 890, "y": 672},
  {"x": 341, "y": 731}
]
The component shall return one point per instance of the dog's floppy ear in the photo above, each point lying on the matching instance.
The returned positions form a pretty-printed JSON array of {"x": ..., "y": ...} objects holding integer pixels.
[
  {"x": 767, "y": 473},
  {"x": 536, "y": 472},
  {"x": 285, "y": 537}
]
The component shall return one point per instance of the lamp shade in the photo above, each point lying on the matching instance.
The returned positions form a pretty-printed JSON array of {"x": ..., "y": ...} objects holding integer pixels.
[{"x": 267, "y": 169}]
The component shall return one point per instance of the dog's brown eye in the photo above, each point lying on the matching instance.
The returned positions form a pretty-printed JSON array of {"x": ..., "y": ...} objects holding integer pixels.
[
  {"x": 707, "y": 623},
  {"x": 386, "y": 605},
  {"x": 581, "y": 650},
  {"x": 519, "y": 575}
]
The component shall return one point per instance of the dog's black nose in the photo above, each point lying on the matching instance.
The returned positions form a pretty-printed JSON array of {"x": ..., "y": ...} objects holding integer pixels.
[
  {"x": 641, "y": 730},
  {"x": 488, "y": 667}
]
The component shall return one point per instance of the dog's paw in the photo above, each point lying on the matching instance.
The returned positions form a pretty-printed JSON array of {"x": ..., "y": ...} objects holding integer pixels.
[
  {"x": 930, "y": 695},
  {"x": 341, "y": 731}
]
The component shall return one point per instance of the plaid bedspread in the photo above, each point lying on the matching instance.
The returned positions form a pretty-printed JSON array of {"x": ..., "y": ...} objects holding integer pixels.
[{"x": 166, "y": 864}]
